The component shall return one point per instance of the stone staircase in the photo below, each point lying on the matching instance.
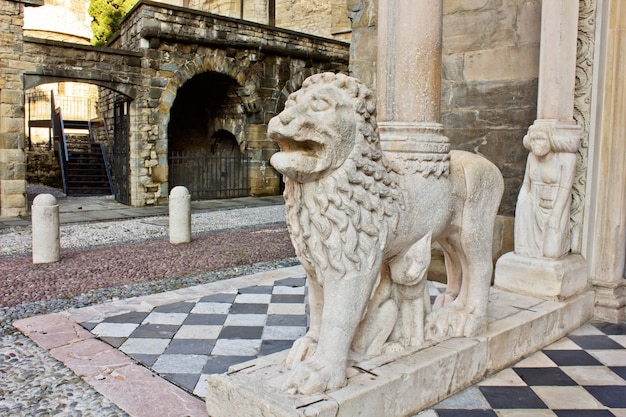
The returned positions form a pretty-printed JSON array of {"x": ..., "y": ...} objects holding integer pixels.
[{"x": 85, "y": 169}]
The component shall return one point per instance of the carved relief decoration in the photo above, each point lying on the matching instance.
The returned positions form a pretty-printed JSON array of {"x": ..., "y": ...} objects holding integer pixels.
[{"x": 582, "y": 112}]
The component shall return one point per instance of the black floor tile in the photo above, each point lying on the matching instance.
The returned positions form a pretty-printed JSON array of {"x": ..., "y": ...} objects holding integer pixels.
[
  {"x": 571, "y": 358},
  {"x": 612, "y": 396},
  {"x": 512, "y": 397},
  {"x": 155, "y": 331},
  {"x": 89, "y": 326},
  {"x": 595, "y": 342},
  {"x": 220, "y": 364},
  {"x": 241, "y": 332},
  {"x": 619, "y": 370},
  {"x": 260, "y": 289},
  {"x": 132, "y": 317},
  {"x": 286, "y": 320},
  {"x": 583, "y": 413},
  {"x": 113, "y": 341},
  {"x": 273, "y": 346},
  {"x": 288, "y": 298},
  {"x": 544, "y": 376},
  {"x": 218, "y": 298},
  {"x": 248, "y": 308},
  {"x": 205, "y": 319},
  {"x": 185, "y": 381},
  {"x": 190, "y": 346},
  {"x": 466, "y": 413},
  {"x": 144, "y": 359},
  {"x": 182, "y": 307},
  {"x": 612, "y": 329},
  {"x": 290, "y": 282}
]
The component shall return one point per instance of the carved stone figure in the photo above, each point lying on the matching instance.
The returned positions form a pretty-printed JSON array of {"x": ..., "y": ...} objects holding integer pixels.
[
  {"x": 542, "y": 215},
  {"x": 362, "y": 231}
]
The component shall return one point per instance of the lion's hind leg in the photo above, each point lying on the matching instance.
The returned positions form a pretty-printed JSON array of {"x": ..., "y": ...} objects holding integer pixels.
[
  {"x": 480, "y": 184},
  {"x": 454, "y": 273}
]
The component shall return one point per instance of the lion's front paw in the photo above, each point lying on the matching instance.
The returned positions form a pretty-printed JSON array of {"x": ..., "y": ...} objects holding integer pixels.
[
  {"x": 302, "y": 349},
  {"x": 314, "y": 377},
  {"x": 451, "y": 322}
]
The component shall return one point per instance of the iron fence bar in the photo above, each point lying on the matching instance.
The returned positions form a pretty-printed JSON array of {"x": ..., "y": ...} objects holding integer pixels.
[{"x": 210, "y": 176}]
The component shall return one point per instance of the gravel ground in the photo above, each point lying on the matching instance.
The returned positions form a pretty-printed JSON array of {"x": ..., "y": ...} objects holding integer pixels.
[{"x": 112, "y": 260}]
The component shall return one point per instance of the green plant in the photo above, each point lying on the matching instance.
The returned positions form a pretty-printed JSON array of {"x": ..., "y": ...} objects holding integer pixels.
[{"x": 106, "y": 17}]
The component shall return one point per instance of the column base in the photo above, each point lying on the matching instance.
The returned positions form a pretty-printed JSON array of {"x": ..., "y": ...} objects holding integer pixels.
[
  {"x": 539, "y": 277},
  {"x": 610, "y": 303}
]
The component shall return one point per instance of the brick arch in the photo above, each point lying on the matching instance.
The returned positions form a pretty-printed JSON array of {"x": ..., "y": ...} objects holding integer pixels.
[{"x": 218, "y": 62}]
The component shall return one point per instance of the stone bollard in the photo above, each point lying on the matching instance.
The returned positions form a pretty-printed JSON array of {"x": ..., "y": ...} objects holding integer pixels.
[
  {"x": 180, "y": 215},
  {"x": 46, "y": 233}
]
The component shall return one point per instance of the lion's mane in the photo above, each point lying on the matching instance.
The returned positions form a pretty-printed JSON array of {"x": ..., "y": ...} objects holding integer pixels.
[{"x": 344, "y": 218}]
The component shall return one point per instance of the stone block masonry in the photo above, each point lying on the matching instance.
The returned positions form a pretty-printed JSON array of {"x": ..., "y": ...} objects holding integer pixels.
[
  {"x": 12, "y": 158},
  {"x": 489, "y": 77},
  {"x": 178, "y": 44},
  {"x": 160, "y": 48}
]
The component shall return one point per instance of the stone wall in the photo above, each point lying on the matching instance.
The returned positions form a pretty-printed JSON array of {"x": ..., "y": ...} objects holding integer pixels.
[
  {"x": 326, "y": 18},
  {"x": 12, "y": 158},
  {"x": 267, "y": 64},
  {"x": 43, "y": 167},
  {"x": 159, "y": 49},
  {"x": 489, "y": 77}
]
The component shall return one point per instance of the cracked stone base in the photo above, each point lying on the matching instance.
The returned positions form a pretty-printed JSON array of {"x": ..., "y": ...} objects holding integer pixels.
[{"x": 403, "y": 384}]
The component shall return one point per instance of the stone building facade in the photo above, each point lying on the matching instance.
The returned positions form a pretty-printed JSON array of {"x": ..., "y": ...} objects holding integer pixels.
[
  {"x": 262, "y": 64},
  {"x": 159, "y": 50},
  {"x": 489, "y": 76},
  {"x": 326, "y": 18}
]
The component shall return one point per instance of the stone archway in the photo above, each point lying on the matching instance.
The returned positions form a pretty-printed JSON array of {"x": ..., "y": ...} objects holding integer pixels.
[
  {"x": 214, "y": 96},
  {"x": 217, "y": 62},
  {"x": 245, "y": 85}
]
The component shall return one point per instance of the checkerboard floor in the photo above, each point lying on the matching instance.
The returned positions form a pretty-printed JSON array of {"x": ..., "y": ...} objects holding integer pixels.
[
  {"x": 185, "y": 341},
  {"x": 581, "y": 375}
]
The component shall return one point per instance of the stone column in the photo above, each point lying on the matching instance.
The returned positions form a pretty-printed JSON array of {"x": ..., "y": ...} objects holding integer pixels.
[
  {"x": 605, "y": 235},
  {"x": 408, "y": 82},
  {"x": 12, "y": 157},
  {"x": 541, "y": 265}
]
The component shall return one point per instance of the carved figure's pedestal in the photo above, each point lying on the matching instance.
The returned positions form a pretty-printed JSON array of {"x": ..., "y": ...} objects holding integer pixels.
[
  {"x": 405, "y": 383},
  {"x": 539, "y": 277}
]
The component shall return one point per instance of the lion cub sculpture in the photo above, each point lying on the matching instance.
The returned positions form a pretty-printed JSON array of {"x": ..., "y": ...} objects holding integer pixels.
[{"x": 362, "y": 229}]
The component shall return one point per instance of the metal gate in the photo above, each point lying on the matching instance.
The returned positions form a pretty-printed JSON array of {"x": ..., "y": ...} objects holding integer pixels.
[
  {"x": 121, "y": 153},
  {"x": 210, "y": 176}
]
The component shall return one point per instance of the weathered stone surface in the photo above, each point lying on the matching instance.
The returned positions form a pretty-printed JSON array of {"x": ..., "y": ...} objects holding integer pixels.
[
  {"x": 546, "y": 278},
  {"x": 403, "y": 384},
  {"x": 355, "y": 211}
]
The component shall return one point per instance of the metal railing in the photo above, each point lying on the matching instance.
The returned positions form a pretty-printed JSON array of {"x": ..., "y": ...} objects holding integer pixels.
[
  {"x": 60, "y": 141},
  {"x": 210, "y": 176},
  {"x": 41, "y": 106},
  {"x": 74, "y": 107}
]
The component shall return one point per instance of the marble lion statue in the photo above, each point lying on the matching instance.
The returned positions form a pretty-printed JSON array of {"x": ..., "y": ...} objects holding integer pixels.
[{"x": 362, "y": 229}]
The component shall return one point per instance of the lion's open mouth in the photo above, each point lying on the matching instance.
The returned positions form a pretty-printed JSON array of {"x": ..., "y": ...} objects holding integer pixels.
[
  {"x": 309, "y": 148},
  {"x": 299, "y": 159}
]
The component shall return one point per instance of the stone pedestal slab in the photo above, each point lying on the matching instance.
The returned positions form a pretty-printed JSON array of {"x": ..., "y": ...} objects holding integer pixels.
[
  {"x": 403, "y": 384},
  {"x": 539, "y": 277}
]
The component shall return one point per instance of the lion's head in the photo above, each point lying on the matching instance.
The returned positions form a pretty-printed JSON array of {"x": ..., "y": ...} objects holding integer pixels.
[
  {"x": 327, "y": 133},
  {"x": 321, "y": 122}
]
